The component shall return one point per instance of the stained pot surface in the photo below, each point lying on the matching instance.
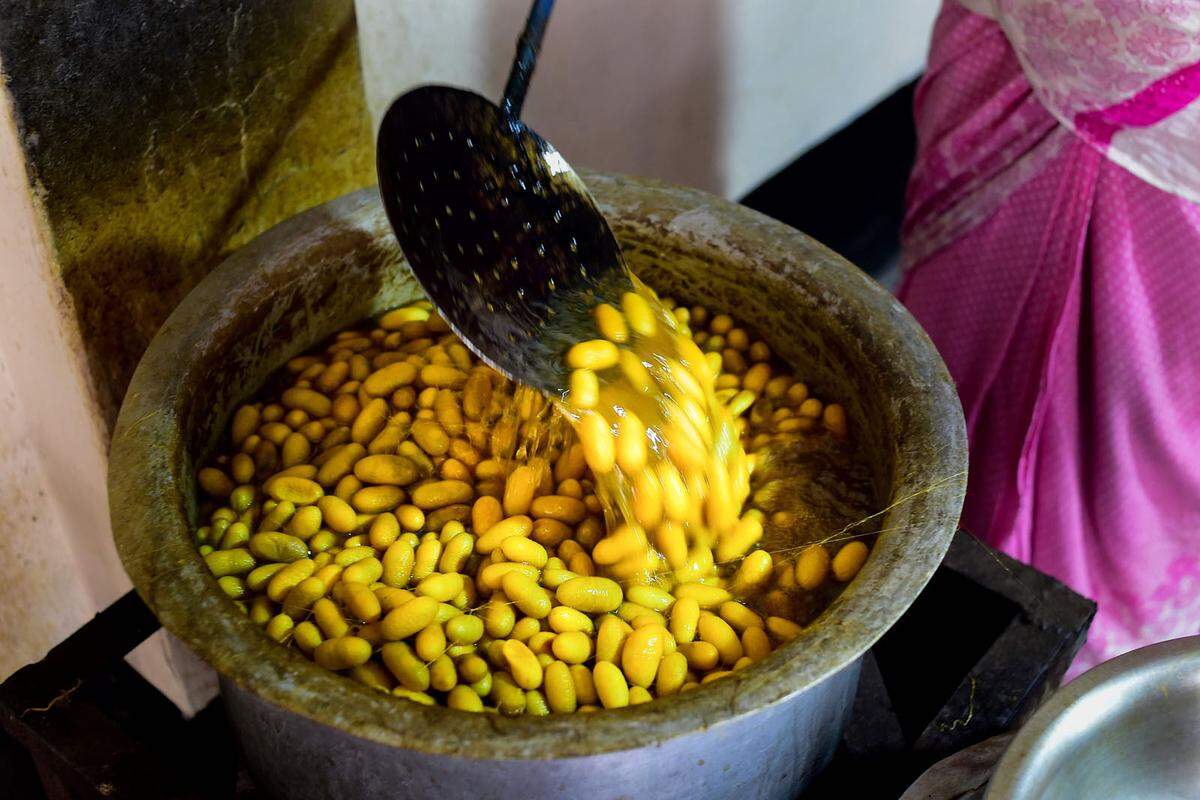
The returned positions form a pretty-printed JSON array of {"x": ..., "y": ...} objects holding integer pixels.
[{"x": 338, "y": 263}]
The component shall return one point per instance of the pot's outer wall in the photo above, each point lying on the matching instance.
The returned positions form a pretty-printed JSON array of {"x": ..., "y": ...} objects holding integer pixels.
[
  {"x": 769, "y": 753},
  {"x": 338, "y": 263}
]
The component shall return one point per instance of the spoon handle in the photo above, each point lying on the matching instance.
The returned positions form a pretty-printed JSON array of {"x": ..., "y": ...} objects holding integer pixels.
[{"x": 523, "y": 63}]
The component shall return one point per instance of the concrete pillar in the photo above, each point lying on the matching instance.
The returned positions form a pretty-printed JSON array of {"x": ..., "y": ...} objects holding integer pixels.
[{"x": 140, "y": 143}]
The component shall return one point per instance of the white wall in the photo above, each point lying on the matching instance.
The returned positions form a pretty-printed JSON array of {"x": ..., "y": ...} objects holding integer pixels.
[
  {"x": 57, "y": 557},
  {"x": 56, "y": 552},
  {"x": 713, "y": 93}
]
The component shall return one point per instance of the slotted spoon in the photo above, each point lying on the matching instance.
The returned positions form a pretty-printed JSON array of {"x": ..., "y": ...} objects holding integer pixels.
[{"x": 500, "y": 231}]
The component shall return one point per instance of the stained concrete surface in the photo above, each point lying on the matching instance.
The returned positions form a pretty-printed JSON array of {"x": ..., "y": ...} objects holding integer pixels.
[
  {"x": 140, "y": 143},
  {"x": 162, "y": 135}
]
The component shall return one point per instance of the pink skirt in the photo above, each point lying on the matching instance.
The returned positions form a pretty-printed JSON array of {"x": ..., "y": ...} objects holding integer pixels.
[{"x": 1064, "y": 295}]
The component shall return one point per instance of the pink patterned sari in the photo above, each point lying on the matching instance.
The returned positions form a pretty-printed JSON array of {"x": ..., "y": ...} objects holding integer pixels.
[{"x": 1052, "y": 252}]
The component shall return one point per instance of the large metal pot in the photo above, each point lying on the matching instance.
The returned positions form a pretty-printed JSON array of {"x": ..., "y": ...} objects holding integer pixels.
[
  {"x": 1128, "y": 728},
  {"x": 762, "y": 733}
]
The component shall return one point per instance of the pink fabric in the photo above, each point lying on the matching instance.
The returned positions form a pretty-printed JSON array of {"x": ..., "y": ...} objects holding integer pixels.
[
  {"x": 1159, "y": 100},
  {"x": 1067, "y": 307},
  {"x": 1121, "y": 72}
]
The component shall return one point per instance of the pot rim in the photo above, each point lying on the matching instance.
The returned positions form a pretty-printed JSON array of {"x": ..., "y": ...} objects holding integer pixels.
[{"x": 154, "y": 538}]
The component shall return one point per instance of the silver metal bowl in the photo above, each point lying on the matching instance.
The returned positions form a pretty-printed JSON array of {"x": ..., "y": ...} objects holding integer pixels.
[
  {"x": 1128, "y": 729},
  {"x": 762, "y": 733}
]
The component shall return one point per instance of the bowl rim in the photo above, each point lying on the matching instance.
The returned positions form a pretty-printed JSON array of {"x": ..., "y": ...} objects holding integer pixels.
[
  {"x": 153, "y": 538},
  {"x": 1016, "y": 774}
]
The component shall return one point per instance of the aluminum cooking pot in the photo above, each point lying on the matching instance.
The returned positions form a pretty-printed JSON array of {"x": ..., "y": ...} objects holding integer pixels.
[
  {"x": 1128, "y": 728},
  {"x": 762, "y": 733}
]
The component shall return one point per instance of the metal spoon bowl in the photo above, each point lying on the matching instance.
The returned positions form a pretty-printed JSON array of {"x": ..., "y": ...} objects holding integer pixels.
[
  {"x": 1128, "y": 728},
  {"x": 500, "y": 231}
]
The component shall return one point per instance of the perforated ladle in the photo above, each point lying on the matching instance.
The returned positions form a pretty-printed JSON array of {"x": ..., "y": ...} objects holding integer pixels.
[{"x": 499, "y": 230}]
